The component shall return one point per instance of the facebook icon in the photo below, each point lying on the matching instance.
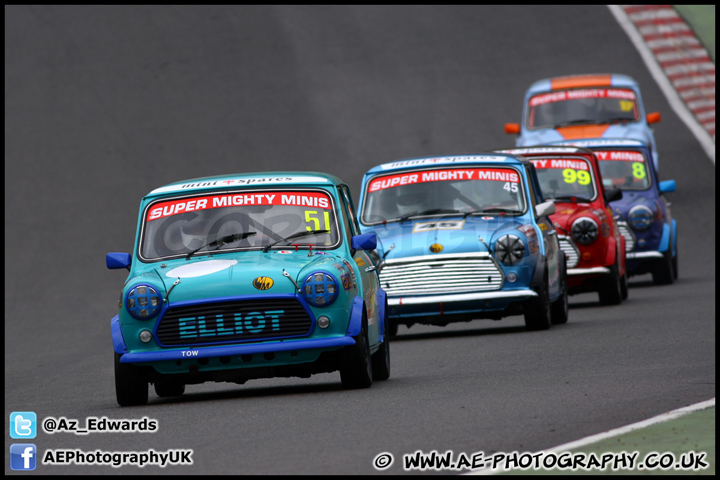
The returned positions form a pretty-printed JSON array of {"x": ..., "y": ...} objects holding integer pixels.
[{"x": 23, "y": 456}]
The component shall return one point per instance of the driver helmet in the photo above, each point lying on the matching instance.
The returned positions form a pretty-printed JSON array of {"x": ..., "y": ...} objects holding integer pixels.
[
  {"x": 486, "y": 193},
  {"x": 193, "y": 230},
  {"x": 411, "y": 199}
]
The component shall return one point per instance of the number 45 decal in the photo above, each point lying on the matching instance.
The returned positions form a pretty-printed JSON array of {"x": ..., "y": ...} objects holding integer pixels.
[
  {"x": 316, "y": 221},
  {"x": 510, "y": 187}
]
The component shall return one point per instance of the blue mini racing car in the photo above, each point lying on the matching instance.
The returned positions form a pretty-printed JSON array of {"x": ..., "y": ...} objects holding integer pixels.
[
  {"x": 463, "y": 238},
  {"x": 585, "y": 106},
  {"x": 248, "y": 276},
  {"x": 645, "y": 220}
]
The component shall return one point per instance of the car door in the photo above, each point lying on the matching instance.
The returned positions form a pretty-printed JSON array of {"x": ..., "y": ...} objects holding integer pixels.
[
  {"x": 365, "y": 266},
  {"x": 548, "y": 232}
]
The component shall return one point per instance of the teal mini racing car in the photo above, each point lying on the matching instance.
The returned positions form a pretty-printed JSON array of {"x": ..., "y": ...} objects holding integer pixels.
[{"x": 248, "y": 276}]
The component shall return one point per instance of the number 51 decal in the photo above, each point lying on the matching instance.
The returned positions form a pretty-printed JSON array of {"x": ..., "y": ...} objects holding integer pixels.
[{"x": 316, "y": 221}]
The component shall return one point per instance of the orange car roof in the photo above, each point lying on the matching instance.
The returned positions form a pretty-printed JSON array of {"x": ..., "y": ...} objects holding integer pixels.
[{"x": 579, "y": 81}]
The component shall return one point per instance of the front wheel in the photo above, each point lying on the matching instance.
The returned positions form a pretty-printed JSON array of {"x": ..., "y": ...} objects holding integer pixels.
[
  {"x": 559, "y": 309},
  {"x": 675, "y": 262},
  {"x": 131, "y": 384},
  {"x": 663, "y": 273},
  {"x": 392, "y": 327},
  {"x": 381, "y": 358},
  {"x": 537, "y": 309},
  {"x": 356, "y": 371},
  {"x": 610, "y": 292},
  {"x": 624, "y": 288},
  {"x": 169, "y": 389}
]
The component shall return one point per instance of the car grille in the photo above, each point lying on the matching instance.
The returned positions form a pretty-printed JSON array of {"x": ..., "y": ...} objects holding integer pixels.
[
  {"x": 440, "y": 274},
  {"x": 239, "y": 320},
  {"x": 571, "y": 251},
  {"x": 629, "y": 236}
]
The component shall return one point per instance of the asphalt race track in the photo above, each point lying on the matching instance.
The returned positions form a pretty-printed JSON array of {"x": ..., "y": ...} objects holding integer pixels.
[{"x": 104, "y": 104}]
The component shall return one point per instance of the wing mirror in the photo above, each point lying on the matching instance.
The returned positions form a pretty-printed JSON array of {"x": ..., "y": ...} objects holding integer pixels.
[
  {"x": 545, "y": 208},
  {"x": 512, "y": 128},
  {"x": 118, "y": 260},
  {"x": 613, "y": 195},
  {"x": 367, "y": 241},
  {"x": 653, "y": 117},
  {"x": 667, "y": 186}
]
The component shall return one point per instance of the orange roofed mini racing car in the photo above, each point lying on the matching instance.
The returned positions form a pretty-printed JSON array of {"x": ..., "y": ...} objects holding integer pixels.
[{"x": 584, "y": 106}]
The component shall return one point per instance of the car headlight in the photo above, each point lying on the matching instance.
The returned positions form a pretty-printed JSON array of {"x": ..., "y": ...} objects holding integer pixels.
[
  {"x": 320, "y": 289},
  {"x": 509, "y": 249},
  {"x": 640, "y": 217},
  {"x": 585, "y": 230},
  {"x": 143, "y": 302}
]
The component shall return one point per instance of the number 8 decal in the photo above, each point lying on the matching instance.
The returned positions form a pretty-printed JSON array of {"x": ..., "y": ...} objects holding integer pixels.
[{"x": 638, "y": 170}]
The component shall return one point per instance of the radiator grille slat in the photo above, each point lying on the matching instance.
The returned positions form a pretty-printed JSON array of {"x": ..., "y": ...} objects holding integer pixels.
[
  {"x": 240, "y": 320},
  {"x": 629, "y": 236},
  {"x": 446, "y": 274},
  {"x": 568, "y": 246}
]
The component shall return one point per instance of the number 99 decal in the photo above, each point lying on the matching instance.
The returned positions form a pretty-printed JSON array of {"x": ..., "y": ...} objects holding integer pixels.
[{"x": 580, "y": 176}]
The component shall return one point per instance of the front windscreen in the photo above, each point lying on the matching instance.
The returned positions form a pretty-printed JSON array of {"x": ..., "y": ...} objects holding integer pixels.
[
  {"x": 232, "y": 221},
  {"x": 399, "y": 196},
  {"x": 623, "y": 169},
  {"x": 581, "y": 107},
  {"x": 565, "y": 178}
]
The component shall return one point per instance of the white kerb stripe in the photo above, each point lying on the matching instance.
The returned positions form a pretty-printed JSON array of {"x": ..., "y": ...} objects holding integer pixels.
[
  {"x": 672, "y": 96},
  {"x": 665, "y": 417}
]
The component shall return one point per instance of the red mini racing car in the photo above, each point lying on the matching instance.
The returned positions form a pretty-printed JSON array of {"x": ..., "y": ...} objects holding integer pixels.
[{"x": 587, "y": 231}]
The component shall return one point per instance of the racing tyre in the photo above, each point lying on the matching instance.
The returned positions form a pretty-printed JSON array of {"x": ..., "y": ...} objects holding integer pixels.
[
  {"x": 381, "y": 358},
  {"x": 169, "y": 389},
  {"x": 131, "y": 384},
  {"x": 624, "y": 289},
  {"x": 356, "y": 371},
  {"x": 610, "y": 292},
  {"x": 392, "y": 327},
  {"x": 559, "y": 308},
  {"x": 537, "y": 309},
  {"x": 675, "y": 262},
  {"x": 663, "y": 273}
]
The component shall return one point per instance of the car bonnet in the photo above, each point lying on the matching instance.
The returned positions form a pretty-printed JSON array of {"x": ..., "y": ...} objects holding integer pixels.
[
  {"x": 446, "y": 235},
  {"x": 243, "y": 273}
]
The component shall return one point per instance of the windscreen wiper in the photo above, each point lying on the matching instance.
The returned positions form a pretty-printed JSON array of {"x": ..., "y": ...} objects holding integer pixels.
[
  {"x": 428, "y": 212},
  {"x": 222, "y": 241},
  {"x": 576, "y": 122},
  {"x": 501, "y": 210},
  {"x": 618, "y": 120},
  {"x": 294, "y": 235},
  {"x": 576, "y": 197}
]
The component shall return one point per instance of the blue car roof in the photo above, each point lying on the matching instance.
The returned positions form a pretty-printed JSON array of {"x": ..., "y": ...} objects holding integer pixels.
[
  {"x": 474, "y": 159},
  {"x": 260, "y": 179}
]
